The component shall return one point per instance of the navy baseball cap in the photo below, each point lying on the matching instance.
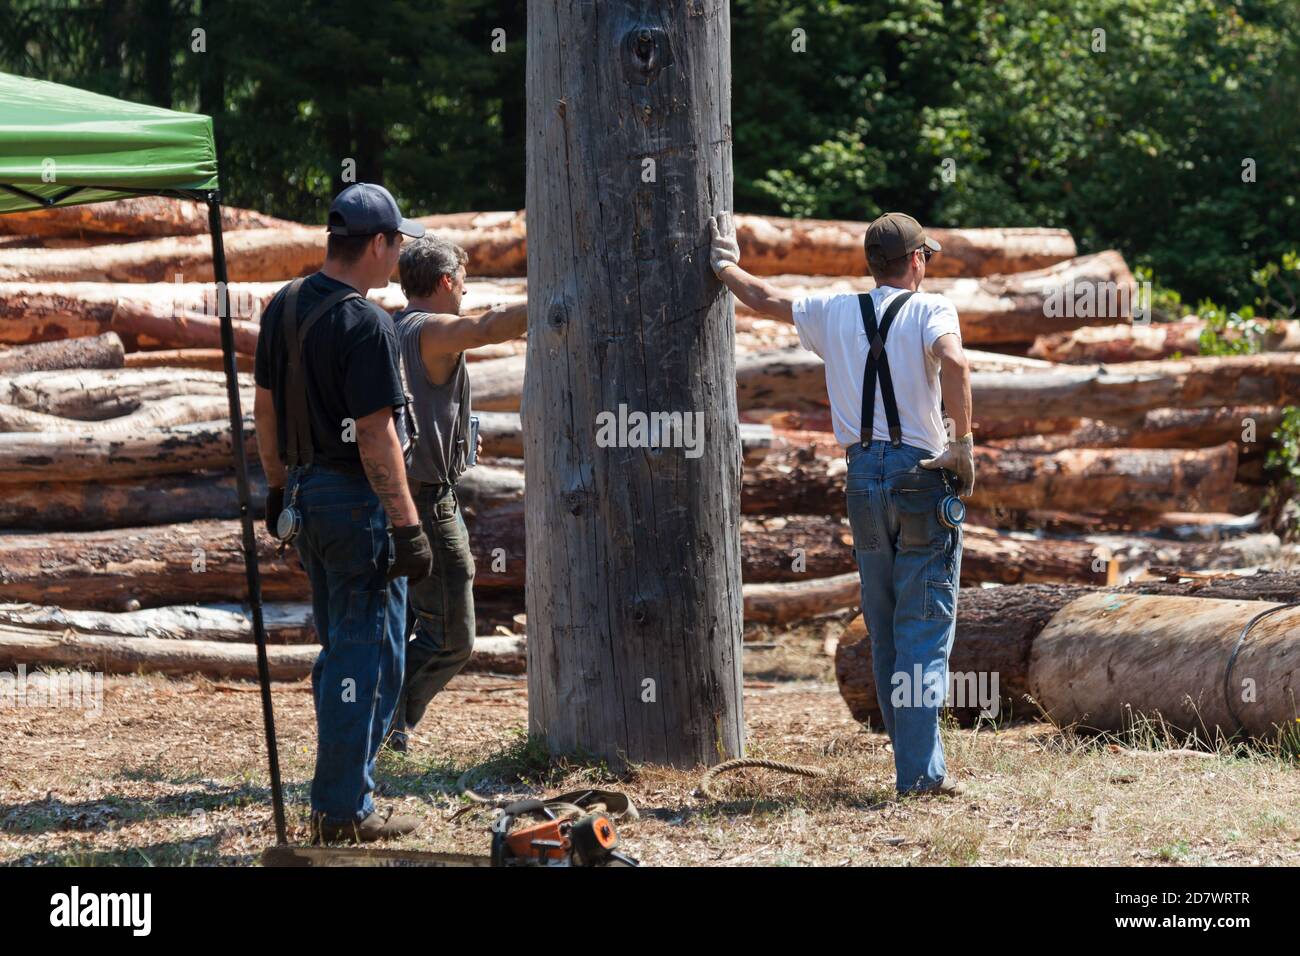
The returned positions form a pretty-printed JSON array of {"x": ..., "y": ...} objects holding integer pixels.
[{"x": 366, "y": 209}]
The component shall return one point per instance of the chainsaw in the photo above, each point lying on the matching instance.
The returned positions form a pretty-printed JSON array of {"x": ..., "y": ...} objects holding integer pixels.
[
  {"x": 570, "y": 830},
  {"x": 554, "y": 840}
]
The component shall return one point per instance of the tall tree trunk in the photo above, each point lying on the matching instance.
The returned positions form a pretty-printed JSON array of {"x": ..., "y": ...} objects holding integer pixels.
[
  {"x": 157, "y": 40},
  {"x": 634, "y": 600}
]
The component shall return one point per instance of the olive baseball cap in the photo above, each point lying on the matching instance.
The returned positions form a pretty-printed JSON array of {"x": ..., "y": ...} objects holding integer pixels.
[
  {"x": 894, "y": 235},
  {"x": 367, "y": 209}
]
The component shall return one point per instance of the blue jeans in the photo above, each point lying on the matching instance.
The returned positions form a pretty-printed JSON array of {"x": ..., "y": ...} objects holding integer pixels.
[
  {"x": 909, "y": 564},
  {"x": 360, "y": 619}
]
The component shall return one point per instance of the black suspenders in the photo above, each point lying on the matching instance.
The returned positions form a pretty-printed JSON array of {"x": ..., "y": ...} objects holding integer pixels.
[
  {"x": 878, "y": 363},
  {"x": 299, "y": 451}
]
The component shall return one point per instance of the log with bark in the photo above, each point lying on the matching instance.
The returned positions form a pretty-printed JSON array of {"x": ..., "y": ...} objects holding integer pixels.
[
  {"x": 496, "y": 245},
  {"x": 1139, "y": 342},
  {"x": 201, "y": 561},
  {"x": 134, "y": 218},
  {"x": 286, "y": 623},
  {"x": 1177, "y": 662},
  {"x": 800, "y": 600},
  {"x": 252, "y": 254},
  {"x": 997, "y": 628},
  {"x": 186, "y": 358},
  {"x": 152, "y": 655},
  {"x": 770, "y": 245},
  {"x": 1249, "y": 426},
  {"x": 129, "y": 502},
  {"x": 799, "y": 481},
  {"x": 1006, "y": 310},
  {"x": 29, "y": 456},
  {"x": 140, "y": 311},
  {"x": 213, "y": 640},
  {"x": 97, "y": 394},
  {"x": 146, "y": 315},
  {"x": 98, "y": 351},
  {"x": 153, "y": 414},
  {"x": 1125, "y": 391}
]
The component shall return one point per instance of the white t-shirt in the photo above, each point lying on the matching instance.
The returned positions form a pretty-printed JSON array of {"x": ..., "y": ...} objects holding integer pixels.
[{"x": 831, "y": 326}]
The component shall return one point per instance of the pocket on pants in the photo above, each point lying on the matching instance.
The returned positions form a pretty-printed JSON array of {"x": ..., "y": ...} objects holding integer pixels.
[
  {"x": 366, "y": 618},
  {"x": 862, "y": 519},
  {"x": 918, "y": 519},
  {"x": 940, "y": 600}
]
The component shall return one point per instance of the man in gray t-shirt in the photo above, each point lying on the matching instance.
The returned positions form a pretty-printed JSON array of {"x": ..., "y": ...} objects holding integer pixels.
[{"x": 432, "y": 339}]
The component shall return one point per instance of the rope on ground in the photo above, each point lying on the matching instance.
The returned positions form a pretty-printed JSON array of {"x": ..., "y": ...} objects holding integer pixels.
[{"x": 801, "y": 770}]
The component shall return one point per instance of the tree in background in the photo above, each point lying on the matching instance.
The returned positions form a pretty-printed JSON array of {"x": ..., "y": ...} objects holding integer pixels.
[{"x": 965, "y": 112}]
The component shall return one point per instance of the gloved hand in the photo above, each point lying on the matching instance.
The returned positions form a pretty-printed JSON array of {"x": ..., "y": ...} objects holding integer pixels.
[
  {"x": 725, "y": 250},
  {"x": 958, "y": 457},
  {"x": 412, "y": 556},
  {"x": 274, "y": 505}
]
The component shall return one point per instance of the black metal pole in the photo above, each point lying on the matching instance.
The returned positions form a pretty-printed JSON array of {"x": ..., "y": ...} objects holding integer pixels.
[{"x": 245, "y": 514}]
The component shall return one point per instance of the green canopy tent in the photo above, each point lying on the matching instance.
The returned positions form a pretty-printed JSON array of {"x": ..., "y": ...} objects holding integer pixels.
[{"x": 61, "y": 146}]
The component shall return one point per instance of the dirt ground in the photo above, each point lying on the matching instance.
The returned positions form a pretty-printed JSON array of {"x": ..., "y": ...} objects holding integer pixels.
[{"x": 174, "y": 772}]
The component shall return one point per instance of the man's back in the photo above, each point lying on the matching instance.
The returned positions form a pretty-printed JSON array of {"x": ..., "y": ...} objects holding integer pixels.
[
  {"x": 831, "y": 325},
  {"x": 349, "y": 362}
]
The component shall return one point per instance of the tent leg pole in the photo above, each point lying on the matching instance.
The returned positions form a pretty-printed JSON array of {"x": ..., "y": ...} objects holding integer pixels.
[{"x": 245, "y": 513}]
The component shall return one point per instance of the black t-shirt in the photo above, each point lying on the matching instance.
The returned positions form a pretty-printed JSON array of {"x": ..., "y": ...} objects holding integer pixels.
[{"x": 350, "y": 366}]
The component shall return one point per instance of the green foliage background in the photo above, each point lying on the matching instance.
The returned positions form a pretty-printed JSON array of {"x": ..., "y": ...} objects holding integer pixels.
[{"x": 1139, "y": 147}]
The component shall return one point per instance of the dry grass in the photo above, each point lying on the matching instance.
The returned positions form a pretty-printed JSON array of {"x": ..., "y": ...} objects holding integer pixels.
[{"x": 174, "y": 772}]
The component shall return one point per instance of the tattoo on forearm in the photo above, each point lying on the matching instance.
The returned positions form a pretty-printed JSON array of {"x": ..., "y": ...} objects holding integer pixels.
[{"x": 388, "y": 488}]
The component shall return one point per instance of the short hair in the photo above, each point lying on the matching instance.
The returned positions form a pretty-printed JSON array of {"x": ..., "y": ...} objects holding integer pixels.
[
  {"x": 425, "y": 261},
  {"x": 349, "y": 249},
  {"x": 882, "y": 269}
]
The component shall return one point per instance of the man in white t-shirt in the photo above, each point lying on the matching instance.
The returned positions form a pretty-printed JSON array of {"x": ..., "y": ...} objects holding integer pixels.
[{"x": 893, "y": 359}]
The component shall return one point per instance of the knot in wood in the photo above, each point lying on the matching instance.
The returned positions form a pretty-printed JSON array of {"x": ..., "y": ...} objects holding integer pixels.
[
  {"x": 557, "y": 316},
  {"x": 646, "y": 52}
]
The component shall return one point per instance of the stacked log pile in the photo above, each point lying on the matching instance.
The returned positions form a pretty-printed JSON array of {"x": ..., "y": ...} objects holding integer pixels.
[{"x": 1100, "y": 454}]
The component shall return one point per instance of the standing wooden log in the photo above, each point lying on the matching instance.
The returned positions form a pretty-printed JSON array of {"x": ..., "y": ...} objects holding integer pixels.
[
  {"x": 132, "y": 218},
  {"x": 100, "y": 351},
  {"x": 634, "y": 602},
  {"x": 1105, "y": 661}
]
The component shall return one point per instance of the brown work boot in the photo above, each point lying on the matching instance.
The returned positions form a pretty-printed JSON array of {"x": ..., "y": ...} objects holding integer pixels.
[
  {"x": 377, "y": 826},
  {"x": 947, "y": 787}
]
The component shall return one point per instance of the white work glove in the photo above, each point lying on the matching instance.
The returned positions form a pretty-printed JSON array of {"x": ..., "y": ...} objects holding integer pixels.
[
  {"x": 725, "y": 250},
  {"x": 958, "y": 457}
]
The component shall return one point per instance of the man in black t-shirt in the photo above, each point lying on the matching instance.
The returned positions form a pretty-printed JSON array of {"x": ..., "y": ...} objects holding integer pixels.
[{"x": 341, "y": 466}]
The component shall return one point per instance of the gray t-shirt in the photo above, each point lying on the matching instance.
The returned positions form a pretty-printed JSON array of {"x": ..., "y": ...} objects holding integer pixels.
[{"x": 441, "y": 411}]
